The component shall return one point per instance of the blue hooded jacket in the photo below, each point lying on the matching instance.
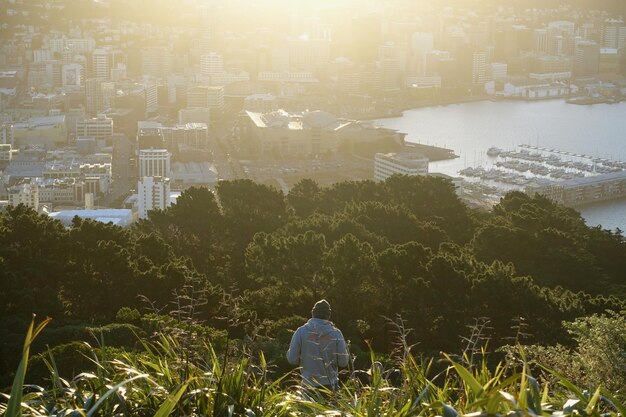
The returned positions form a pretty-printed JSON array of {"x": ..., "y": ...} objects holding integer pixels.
[{"x": 320, "y": 349}]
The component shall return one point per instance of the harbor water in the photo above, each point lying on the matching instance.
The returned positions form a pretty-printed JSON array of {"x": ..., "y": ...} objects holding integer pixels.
[{"x": 470, "y": 129}]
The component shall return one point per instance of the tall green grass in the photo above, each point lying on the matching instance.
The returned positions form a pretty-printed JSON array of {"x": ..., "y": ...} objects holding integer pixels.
[{"x": 159, "y": 380}]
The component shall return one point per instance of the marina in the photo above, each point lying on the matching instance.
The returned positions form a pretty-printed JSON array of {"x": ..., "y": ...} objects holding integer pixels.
[
  {"x": 566, "y": 177},
  {"x": 564, "y": 133}
]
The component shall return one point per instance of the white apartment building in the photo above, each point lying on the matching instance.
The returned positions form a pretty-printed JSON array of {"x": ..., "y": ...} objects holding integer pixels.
[
  {"x": 154, "y": 163},
  {"x": 403, "y": 163},
  {"x": 154, "y": 193}
]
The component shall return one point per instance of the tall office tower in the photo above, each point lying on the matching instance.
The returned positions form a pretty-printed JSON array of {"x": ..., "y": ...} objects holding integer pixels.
[
  {"x": 156, "y": 61},
  {"x": 540, "y": 41},
  {"x": 473, "y": 67},
  {"x": 101, "y": 64},
  {"x": 150, "y": 92},
  {"x": 389, "y": 56},
  {"x": 308, "y": 54},
  {"x": 211, "y": 64},
  {"x": 99, "y": 96},
  {"x": 614, "y": 33},
  {"x": 422, "y": 43},
  {"x": 154, "y": 194},
  {"x": 208, "y": 29},
  {"x": 431, "y": 62},
  {"x": 479, "y": 68},
  {"x": 509, "y": 42},
  {"x": 366, "y": 37},
  {"x": 154, "y": 163},
  {"x": 587, "y": 58}
]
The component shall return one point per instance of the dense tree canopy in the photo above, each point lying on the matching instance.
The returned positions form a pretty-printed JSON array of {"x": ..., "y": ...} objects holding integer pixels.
[{"x": 407, "y": 247}]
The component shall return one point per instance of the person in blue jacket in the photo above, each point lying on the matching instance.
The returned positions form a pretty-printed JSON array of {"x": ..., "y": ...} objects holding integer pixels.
[{"x": 319, "y": 348}]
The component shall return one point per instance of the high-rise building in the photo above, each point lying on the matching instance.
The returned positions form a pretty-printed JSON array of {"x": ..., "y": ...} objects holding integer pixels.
[
  {"x": 212, "y": 63},
  {"x": 101, "y": 64},
  {"x": 614, "y": 33},
  {"x": 99, "y": 96},
  {"x": 390, "y": 64},
  {"x": 156, "y": 61},
  {"x": 154, "y": 194},
  {"x": 540, "y": 41},
  {"x": 154, "y": 163},
  {"x": 366, "y": 37},
  {"x": 587, "y": 58}
]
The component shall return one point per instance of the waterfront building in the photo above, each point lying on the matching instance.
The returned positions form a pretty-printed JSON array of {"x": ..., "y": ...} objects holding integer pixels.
[
  {"x": 153, "y": 194},
  {"x": 540, "y": 41},
  {"x": 614, "y": 33},
  {"x": 609, "y": 61},
  {"x": 402, "y": 163},
  {"x": 587, "y": 59},
  {"x": 498, "y": 70},
  {"x": 310, "y": 133},
  {"x": 584, "y": 190}
]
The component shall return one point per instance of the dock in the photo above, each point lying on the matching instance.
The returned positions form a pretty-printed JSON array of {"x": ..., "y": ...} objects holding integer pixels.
[{"x": 433, "y": 153}]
